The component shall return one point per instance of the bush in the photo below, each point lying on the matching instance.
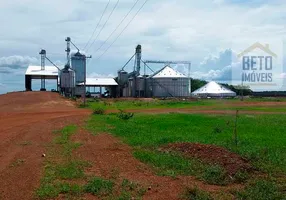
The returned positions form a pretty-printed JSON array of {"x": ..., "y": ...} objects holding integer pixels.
[
  {"x": 124, "y": 115},
  {"x": 98, "y": 111}
]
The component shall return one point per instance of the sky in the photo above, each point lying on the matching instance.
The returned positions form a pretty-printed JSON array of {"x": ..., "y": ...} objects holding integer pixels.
[{"x": 208, "y": 33}]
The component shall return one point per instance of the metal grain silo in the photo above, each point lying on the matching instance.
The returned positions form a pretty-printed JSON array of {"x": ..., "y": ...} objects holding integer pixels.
[
  {"x": 122, "y": 77},
  {"x": 78, "y": 63},
  {"x": 67, "y": 81},
  {"x": 169, "y": 83}
]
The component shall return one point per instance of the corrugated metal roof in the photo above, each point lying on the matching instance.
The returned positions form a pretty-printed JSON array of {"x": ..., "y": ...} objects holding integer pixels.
[
  {"x": 168, "y": 72},
  {"x": 99, "y": 82},
  {"x": 213, "y": 88},
  {"x": 36, "y": 70}
]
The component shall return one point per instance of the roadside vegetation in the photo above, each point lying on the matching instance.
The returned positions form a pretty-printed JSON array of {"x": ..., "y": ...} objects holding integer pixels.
[
  {"x": 195, "y": 104},
  {"x": 61, "y": 167}
]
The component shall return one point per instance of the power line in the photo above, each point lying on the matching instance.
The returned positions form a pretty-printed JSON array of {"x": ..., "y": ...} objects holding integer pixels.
[
  {"x": 103, "y": 25},
  {"x": 117, "y": 26},
  {"x": 122, "y": 30},
  {"x": 97, "y": 24}
]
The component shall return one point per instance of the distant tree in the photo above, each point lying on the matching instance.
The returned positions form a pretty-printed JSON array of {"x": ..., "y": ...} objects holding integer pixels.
[{"x": 197, "y": 83}]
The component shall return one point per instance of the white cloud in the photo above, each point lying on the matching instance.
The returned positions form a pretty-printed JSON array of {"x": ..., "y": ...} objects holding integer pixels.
[
  {"x": 16, "y": 64},
  {"x": 17, "y": 61}
]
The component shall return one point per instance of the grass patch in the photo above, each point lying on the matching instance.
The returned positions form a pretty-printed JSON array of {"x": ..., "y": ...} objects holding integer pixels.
[
  {"x": 131, "y": 189},
  {"x": 209, "y": 104},
  {"x": 168, "y": 164},
  {"x": 65, "y": 134},
  {"x": 123, "y": 105},
  {"x": 64, "y": 140},
  {"x": 260, "y": 189},
  {"x": 99, "y": 186},
  {"x": 70, "y": 170},
  {"x": 60, "y": 167},
  {"x": 98, "y": 111},
  {"x": 124, "y": 115},
  {"x": 196, "y": 194},
  {"x": 48, "y": 191},
  {"x": 215, "y": 175}
]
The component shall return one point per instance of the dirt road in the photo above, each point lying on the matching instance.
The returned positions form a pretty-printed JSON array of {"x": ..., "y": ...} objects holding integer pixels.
[{"x": 27, "y": 120}]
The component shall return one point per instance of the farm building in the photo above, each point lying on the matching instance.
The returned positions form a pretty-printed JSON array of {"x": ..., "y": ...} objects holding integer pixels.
[
  {"x": 36, "y": 72},
  {"x": 108, "y": 84},
  {"x": 213, "y": 89}
]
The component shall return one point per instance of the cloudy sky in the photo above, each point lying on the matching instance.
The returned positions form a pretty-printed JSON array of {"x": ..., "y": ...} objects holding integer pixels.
[{"x": 206, "y": 32}]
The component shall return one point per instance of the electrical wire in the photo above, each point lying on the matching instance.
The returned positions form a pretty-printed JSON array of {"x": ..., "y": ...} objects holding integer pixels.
[
  {"x": 97, "y": 24},
  {"x": 117, "y": 27},
  {"x": 103, "y": 25},
  {"x": 122, "y": 30}
]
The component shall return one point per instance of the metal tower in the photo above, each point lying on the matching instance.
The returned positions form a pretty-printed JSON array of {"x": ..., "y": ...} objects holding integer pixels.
[
  {"x": 43, "y": 57},
  {"x": 68, "y": 50},
  {"x": 138, "y": 55}
]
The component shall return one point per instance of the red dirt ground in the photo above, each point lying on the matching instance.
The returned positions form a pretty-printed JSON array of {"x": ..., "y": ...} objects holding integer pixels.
[
  {"x": 231, "y": 162},
  {"x": 27, "y": 121},
  {"x": 110, "y": 157}
]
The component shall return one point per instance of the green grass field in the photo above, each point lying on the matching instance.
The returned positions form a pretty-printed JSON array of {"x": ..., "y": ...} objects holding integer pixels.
[
  {"x": 200, "y": 104},
  {"x": 261, "y": 138}
]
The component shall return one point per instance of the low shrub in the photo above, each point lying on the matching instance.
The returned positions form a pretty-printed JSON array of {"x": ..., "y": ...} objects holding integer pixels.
[
  {"x": 98, "y": 111},
  {"x": 124, "y": 115}
]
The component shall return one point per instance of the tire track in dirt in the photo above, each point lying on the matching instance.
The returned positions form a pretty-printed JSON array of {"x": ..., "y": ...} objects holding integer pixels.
[{"x": 26, "y": 130}]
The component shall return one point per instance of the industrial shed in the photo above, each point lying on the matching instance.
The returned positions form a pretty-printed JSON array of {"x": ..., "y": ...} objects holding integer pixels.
[
  {"x": 36, "y": 72},
  {"x": 108, "y": 83},
  {"x": 213, "y": 89}
]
